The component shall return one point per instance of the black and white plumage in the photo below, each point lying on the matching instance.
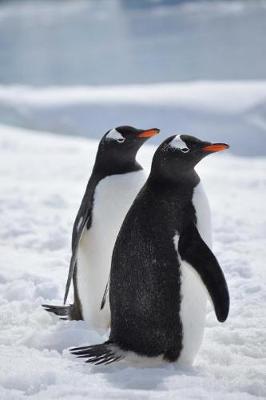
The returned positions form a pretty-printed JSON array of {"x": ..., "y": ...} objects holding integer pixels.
[
  {"x": 162, "y": 265},
  {"x": 115, "y": 180}
]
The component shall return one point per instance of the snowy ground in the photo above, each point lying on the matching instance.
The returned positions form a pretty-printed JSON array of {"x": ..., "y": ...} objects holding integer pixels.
[
  {"x": 42, "y": 180},
  {"x": 236, "y": 110}
]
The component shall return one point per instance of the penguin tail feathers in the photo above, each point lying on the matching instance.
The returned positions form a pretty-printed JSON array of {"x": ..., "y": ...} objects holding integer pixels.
[
  {"x": 105, "y": 353},
  {"x": 64, "y": 312}
]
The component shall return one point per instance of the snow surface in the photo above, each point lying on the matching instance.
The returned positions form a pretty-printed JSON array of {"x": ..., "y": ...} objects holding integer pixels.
[
  {"x": 235, "y": 110},
  {"x": 42, "y": 180}
]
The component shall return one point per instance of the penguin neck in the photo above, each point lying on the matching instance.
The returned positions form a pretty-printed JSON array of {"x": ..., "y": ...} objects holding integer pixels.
[
  {"x": 103, "y": 168},
  {"x": 181, "y": 179}
]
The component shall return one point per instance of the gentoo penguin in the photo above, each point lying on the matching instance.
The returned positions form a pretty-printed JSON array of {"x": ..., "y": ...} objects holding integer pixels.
[
  {"x": 115, "y": 181},
  {"x": 162, "y": 267}
]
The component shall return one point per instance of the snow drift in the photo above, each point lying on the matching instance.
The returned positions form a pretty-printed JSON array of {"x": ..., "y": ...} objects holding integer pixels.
[{"x": 235, "y": 111}]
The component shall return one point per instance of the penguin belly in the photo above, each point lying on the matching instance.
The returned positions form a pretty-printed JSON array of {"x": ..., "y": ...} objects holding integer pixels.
[
  {"x": 112, "y": 198},
  {"x": 193, "y": 293}
]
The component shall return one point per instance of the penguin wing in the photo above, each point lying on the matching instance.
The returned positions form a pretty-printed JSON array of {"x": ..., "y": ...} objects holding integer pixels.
[
  {"x": 83, "y": 219},
  {"x": 195, "y": 251},
  {"x": 71, "y": 270}
]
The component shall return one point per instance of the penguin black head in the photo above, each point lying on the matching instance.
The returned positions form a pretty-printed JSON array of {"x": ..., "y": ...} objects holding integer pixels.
[
  {"x": 127, "y": 138},
  {"x": 179, "y": 154},
  {"x": 118, "y": 148}
]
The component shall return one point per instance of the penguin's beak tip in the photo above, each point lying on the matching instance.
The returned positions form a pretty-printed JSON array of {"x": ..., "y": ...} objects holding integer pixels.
[
  {"x": 148, "y": 133},
  {"x": 215, "y": 147}
]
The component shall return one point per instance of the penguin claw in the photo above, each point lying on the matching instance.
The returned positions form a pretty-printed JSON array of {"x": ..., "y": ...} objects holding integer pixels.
[
  {"x": 98, "y": 354},
  {"x": 61, "y": 311},
  {"x": 76, "y": 350},
  {"x": 113, "y": 359},
  {"x": 104, "y": 360}
]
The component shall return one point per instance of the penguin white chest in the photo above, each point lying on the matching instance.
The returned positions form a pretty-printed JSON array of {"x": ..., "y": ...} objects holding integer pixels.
[
  {"x": 193, "y": 293},
  {"x": 112, "y": 198},
  {"x": 203, "y": 214}
]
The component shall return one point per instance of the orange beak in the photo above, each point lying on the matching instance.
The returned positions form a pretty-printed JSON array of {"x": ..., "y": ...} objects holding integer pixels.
[
  {"x": 148, "y": 133},
  {"x": 213, "y": 148}
]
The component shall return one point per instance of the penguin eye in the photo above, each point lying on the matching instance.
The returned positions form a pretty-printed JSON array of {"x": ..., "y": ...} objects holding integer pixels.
[
  {"x": 121, "y": 140},
  {"x": 185, "y": 150}
]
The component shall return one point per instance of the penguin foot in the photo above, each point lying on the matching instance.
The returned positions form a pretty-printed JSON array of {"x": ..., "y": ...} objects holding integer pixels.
[
  {"x": 105, "y": 353},
  {"x": 63, "y": 312}
]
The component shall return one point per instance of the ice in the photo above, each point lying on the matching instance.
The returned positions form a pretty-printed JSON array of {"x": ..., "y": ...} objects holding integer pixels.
[{"x": 113, "y": 42}]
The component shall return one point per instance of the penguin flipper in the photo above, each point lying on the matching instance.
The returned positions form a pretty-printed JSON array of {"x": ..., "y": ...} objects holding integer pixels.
[
  {"x": 81, "y": 221},
  {"x": 105, "y": 294},
  {"x": 105, "y": 353},
  {"x": 195, "y": 251},
  {"x": 71, "y": 271}
]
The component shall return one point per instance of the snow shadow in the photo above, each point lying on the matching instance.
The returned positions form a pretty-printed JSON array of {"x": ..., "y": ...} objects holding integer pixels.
[{"x": 124, "y": 376}]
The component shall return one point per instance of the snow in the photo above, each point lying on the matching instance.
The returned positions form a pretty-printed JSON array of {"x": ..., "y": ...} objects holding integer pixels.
[
  {"x": 234, "y": 110},
  {"x": 42, "y": 180}
]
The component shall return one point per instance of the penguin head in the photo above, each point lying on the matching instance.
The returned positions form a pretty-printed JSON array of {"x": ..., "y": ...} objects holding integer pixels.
[
  {"x": 179, "y": 154},
  {"x": 125, "y": 141},
  {"x": 124, "y": 138},
  {"x": 118, "y": 148}
]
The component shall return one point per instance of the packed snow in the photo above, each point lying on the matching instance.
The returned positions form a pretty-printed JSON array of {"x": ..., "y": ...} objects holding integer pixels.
[{"x": 42, "y": 180}]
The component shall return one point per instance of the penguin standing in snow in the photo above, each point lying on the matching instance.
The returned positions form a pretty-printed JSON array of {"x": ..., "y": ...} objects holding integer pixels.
[
  {"x": 115, "y": 181},
  {"x": 162, "y": 267}
]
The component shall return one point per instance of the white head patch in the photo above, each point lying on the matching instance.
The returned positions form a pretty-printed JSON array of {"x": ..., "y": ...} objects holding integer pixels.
[
  {"x": 178, "y": 143},
  {"x": 115, "y": 135}
]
